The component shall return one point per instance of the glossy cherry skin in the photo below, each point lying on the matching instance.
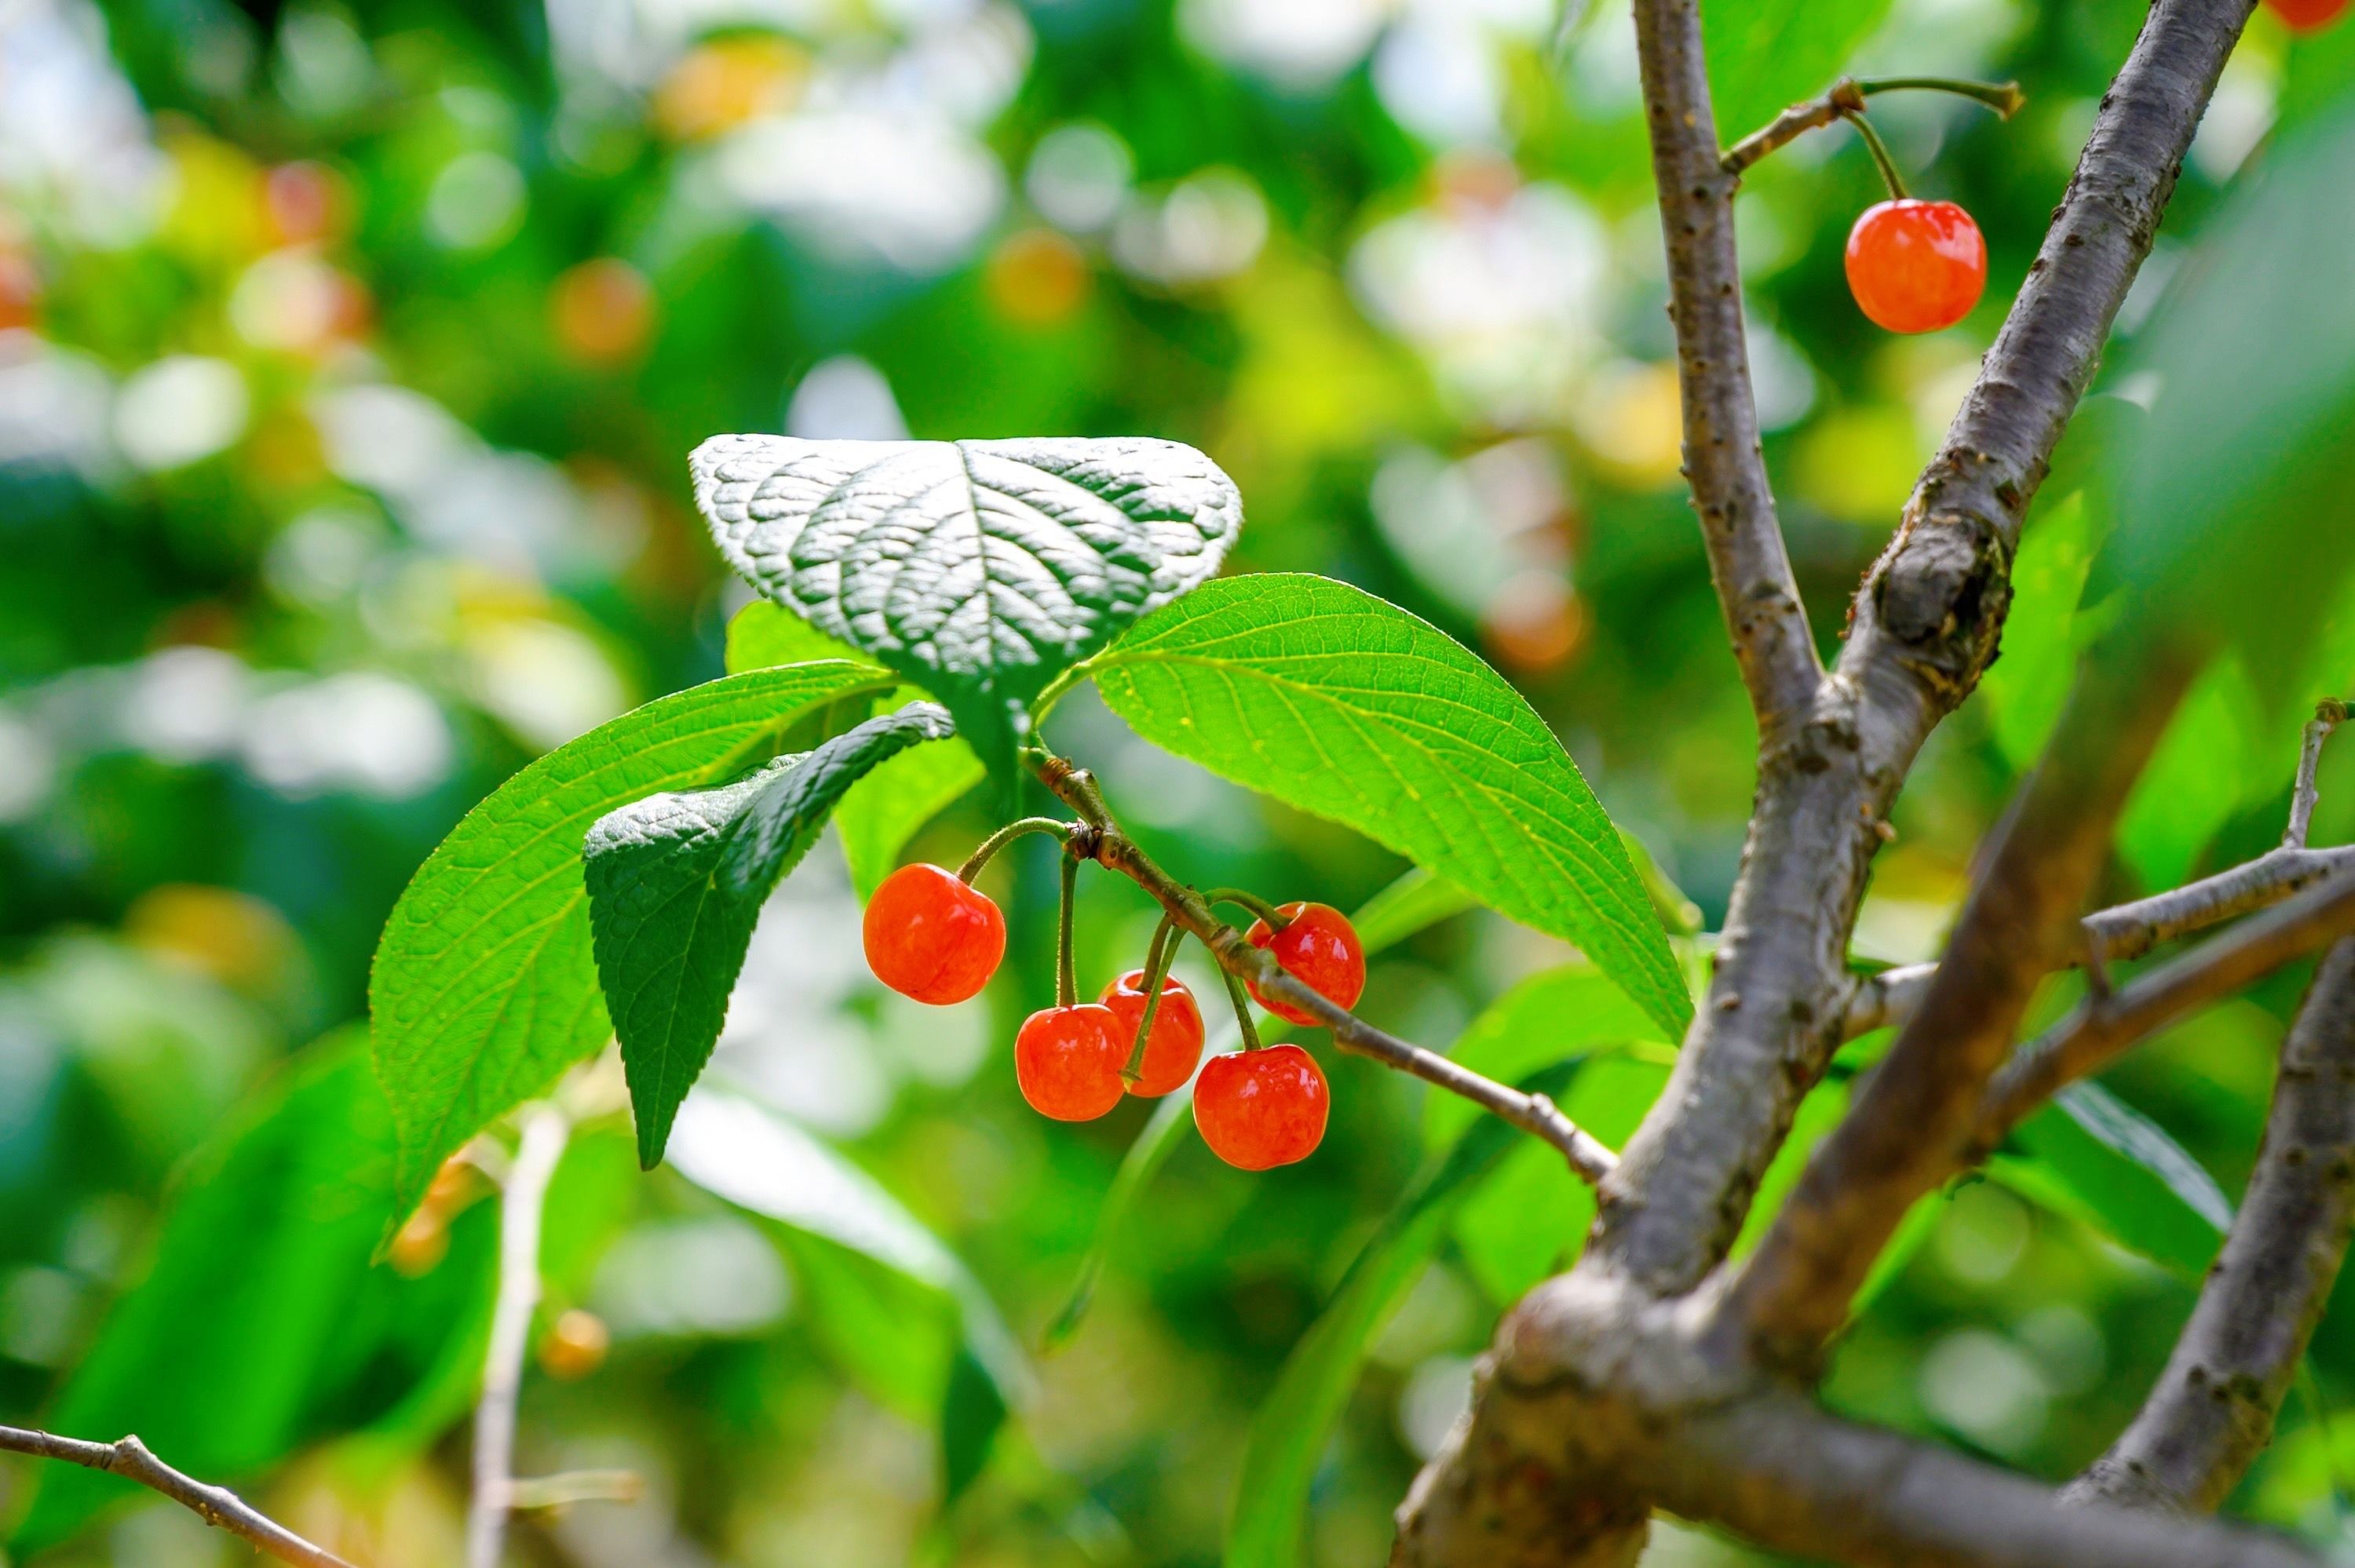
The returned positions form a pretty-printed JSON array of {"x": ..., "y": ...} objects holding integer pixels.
[
  {"x": 1067, "y": 1061},
  {"x": 931, "y": 937},
  {"x": 1176, "y": 1044},
  {"x": 1917, "y": 266},
  {"x": 1259, "y": 1110},
  {"x": 2307, "y": 15},
  {"x": 1321, "y": 950}
]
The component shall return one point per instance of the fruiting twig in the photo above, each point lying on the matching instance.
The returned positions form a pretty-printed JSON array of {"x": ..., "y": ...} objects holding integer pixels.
[
  {"x": 538, "y": 1149},
  {"x": 1846, "y": 97},
  {"x": 217, "y": 1506},
  {"x": 1238, "y": 960}
]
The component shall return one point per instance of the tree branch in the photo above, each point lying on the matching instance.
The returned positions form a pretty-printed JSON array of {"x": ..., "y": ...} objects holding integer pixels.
[
  {"x": 2213, "y": 1407},
  {"x": 1846, "y": 97},
  {"x": 1107, "y": 845},
  {"x": 217, "y": 1506},
  {"x": 1785, "y": 1475},
  {"x": 2329, "y": 714},
  {"x": 2088, "y": 1039},
  {"x": 1911, "y": 1123},
  {"x": 2126, "y": 931},
  {"x": 1722, "y": 460},
  {"x": 521, "y": 1204}
]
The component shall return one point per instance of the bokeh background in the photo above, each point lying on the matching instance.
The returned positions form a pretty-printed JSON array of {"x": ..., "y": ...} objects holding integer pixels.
[{"x": 349, "y": 355}]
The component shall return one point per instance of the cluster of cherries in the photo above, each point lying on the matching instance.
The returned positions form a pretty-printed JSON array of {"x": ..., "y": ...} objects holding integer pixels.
[{"x": 932, "y": 936}]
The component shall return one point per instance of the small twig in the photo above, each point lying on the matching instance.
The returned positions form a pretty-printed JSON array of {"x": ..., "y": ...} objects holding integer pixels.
[
  {"x": 2089, "y": 1038},
  {"x": 1239, "y": 961},
  {"x": 217, "y": 1506},
  {"x": 538, "y": 1150},
  {"x": 562, "y": 1490},
  {"x": 2329, "y": 714},
  {"x": 990, "y": 846},
  {"x": 1846, "y": 97}
]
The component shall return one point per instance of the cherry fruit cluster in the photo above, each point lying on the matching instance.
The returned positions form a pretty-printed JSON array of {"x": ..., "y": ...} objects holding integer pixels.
[{"x": 930, "y": 934}]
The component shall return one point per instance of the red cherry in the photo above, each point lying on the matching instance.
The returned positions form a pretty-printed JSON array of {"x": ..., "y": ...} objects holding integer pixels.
[
  {"x": 931, "y": 937},
  {"x": 1319, "y": 949},
  {"x": 1176, "y": 1044},
  {"x": 1917, "y": 266},
  {"x": 1068, "y": 1060},
  {"x": 1259, "y": 1110},
  {"x": 2307, "y": 15}
]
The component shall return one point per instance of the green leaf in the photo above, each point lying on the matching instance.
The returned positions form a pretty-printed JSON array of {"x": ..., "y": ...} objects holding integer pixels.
[
  {"x": 740, "y": 1151},
  {"x": 258, "y": 1325},
  {"x": 1765, "y": 53},
  {"x": 1535, "y": 1023},
  {"x": 2029, "y": 682},
  {"x": 675, "y": 883},
  {"x": 1332, "y": 701},
  {"x": 762, "y": 636},
  {"x": 2097, "y": 1160},
  {"x": 484, "y": 989},
  {"x": 2220, "y": 501},
  {"x": 1288, "y": 1434},
  {"x": 981, "y": 570},
  {"x": 1415, "y": 903},
  {"x": 891, "y": 806},
  {"x": 2196, "y": 778}
]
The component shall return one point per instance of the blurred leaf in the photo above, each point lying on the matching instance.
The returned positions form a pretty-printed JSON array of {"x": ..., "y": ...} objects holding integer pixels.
[
  {"x": 1765, "y": 53},
  {"x": 1288, "y": 1434},
  {"x": 1332, "y": 701},
  {"x": 2093, "y": 1157},
  {"x": 1538, "y": 1021},
  {"x": 1415, "y": 903},
  {"x": 740, "y": 1151},
  {"x": 485, "y": 988},
  {"x": 676, "y": 883},
  {"x": 980, "y": 570},
  {"x": 1516, "y": 1225},
  {"x": 2196, "y": 778},
  {"x": 2245, "y": 450},
  {"x": 2029, "y": 682},
  {"x": 892, "y": 805},
  {"x": 762, "y": 636},
  {"x": 260, "y": 1326},
  {"x": 971, "y": 1412}
]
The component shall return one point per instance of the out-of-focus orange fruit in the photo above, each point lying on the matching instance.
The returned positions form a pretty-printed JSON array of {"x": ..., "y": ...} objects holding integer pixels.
[
  {"x": 1534, "y": 623},
  {"x": 1037, "y": 277},
  {"x": 603, "y": 311},
  {"x": 727, "y": 81},
  {"x": 305, "y": 204},
  {"x": 575, "y": 1345}
]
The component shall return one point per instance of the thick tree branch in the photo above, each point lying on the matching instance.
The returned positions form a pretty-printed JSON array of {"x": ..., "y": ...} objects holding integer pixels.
[
  {"x": 217, "y": 1506},
  {"x": 2088, "y": 1039},
  {"x": 1722, "y": 460},
  {"x": 1104, "y": 843},
  {"x": 1784, "y": 1473},
  {"x": 521, "y": 1204},
  {"x": 2213, "y": 1407},
  {"x": 1910, "y": 1125},
  {"x": 1922, "y": 628}
]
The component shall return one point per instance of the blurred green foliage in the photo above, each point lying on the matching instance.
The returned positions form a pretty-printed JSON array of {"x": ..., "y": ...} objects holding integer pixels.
[{"x": 349, "y": 355}]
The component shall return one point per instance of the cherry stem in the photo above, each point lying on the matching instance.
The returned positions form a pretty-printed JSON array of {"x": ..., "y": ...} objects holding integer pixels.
[
  {"x": 1276, "y": 920},
  {"x": 1007, "y": 835},
  {"x": 2004, "y": 97},
  {"x": 1158, "y": 959},
  {"x": 1243, "y": 1010},
  {"x": 1067, "y": 982},
  {"x": 1879, "y": 151}
]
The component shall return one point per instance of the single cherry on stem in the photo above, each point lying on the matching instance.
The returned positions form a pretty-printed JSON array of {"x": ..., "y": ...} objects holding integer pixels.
[
  {"x": 1319, "y": 948},
  {"x": 2308, "y": 16},
  {"x": 1067, "y": 1061},
  {"x": 1917, "y": 266},
  {"x": 1259, "y": 1110},
  {"x": 932, "y": 936},
  {"x": 1173, "y": 1044}
]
